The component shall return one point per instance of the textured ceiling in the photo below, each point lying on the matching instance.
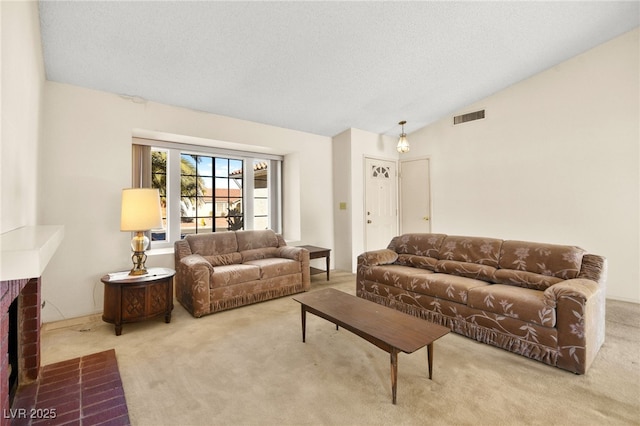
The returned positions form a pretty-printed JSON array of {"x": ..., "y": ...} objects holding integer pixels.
[{"x": 319, "y": 67}]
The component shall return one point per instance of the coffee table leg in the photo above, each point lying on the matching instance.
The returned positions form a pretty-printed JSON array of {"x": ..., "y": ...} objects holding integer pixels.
[
  {"x": 304, "y": 322},
  {"x": 430, "y": 357},
  {"x": 394, "y": 374}
]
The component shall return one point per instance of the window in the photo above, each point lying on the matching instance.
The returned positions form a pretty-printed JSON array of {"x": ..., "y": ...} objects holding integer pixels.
[
  {"x": 206, "y": 190},
  {"x": 159, "y": 181},
  {"x": 210, "y": 194},
  {"x": 260, "y": 194}
]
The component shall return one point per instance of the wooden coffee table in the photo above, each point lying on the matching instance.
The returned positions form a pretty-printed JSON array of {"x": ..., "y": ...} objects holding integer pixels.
[{"x": 388, "y": 329}]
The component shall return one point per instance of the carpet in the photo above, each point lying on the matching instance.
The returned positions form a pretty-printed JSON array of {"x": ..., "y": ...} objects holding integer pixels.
[{"x": 249, "y": 366}]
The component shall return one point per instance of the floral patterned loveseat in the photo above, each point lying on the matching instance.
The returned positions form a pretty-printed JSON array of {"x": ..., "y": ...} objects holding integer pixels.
[
  {"x": 224, "y": 270},
  {"x": 542, "y": 301}
]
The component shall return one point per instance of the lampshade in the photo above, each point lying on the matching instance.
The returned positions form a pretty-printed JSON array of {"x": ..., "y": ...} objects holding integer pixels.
[
  {"x": 140, "y": 209},
  {"x": 403, "y": 143}
]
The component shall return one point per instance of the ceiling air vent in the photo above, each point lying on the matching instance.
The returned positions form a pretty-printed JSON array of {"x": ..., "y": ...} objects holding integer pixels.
[{"x": 476, "y": 115}]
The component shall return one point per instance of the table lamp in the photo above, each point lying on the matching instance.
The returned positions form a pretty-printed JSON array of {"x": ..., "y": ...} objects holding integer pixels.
[{"x": 140, "y": 212}]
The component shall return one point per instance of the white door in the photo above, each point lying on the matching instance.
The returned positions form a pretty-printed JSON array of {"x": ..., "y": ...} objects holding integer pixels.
[
  {"x": 415, "y": 196},
  {"x": 381, "y": 203}
]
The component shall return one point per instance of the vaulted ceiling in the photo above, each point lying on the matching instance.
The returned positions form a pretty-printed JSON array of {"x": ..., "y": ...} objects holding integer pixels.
[{"x": 320, "y": 67}]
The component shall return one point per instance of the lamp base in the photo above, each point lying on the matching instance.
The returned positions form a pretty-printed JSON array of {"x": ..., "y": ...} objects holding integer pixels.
[{"x": 138, "y": 258}]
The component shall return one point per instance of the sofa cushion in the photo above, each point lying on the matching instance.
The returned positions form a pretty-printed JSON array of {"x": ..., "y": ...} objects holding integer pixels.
[
  {"x": 466, "y": 269},
  {"x": 259, "y": 253},
  {"x": 449, "y": 287},
  {"x": 393, "y": 275},
  {"x": 545, "y": 259},
  {"x": 233, "y": 274},
  {"x": 275, "y": 267},
  {"x": 212, "y": 244},
  {"x": 514, "y": 302},
  {"x": 525, "y": 279},
  {"x": 248, "y": 240},
  {"x": 484, "y": 251},
  {"x": 224, "y": 259},
  {"x": 418, "y": 244},
  {"x": 422, "y": 262}
]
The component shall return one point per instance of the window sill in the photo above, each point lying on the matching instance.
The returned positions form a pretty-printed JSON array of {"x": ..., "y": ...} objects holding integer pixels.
[{"x": 159, "y": 251}]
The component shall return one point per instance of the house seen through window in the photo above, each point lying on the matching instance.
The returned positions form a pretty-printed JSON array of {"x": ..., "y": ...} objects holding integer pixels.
[
  {"x": 210, "y": 194},
  {"x": 204, "y": 193}
]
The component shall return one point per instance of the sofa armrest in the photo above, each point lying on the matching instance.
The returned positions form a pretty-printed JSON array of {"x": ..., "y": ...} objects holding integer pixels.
[
  {"x": 580, "y": 289},
  {"x": 292, "y": 252},
  {"x": 195, "y": 261},
  {"x": 377, "y": 257},
  {"x": 301, "y": 255},
  {"x": 193, "y": 274},
  {"x": 594, "y": 268},
  {"x": 580, "y": 321}
]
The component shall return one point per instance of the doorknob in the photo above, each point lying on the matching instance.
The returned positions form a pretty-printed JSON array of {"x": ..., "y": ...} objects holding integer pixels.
[
  {"x": 425, "y": 218},
  {"x": 368, "y": 221}
]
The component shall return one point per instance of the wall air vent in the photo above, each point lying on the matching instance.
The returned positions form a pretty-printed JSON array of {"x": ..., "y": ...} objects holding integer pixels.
[{"x": 476, "y": 115}]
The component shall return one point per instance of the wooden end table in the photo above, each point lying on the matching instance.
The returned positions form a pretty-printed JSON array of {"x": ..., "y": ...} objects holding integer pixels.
[
  {"x": 390, "y": 330},
  {"x": 317, "y": 253},
  {"x": 130, "y": 298}
]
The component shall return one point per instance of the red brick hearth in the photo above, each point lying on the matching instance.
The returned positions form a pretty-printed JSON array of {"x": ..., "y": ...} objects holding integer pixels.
[{"x": 81, "y": 391}]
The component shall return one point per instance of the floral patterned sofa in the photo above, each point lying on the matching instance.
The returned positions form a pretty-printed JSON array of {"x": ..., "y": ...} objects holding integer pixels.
[
  {"x": 542, "y": 301},
  {"x": 224, "y": 270}
]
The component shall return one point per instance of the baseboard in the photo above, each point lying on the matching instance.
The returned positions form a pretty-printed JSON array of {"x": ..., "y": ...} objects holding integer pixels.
[
  {"x": 624, "y": 299},
  {"x": 71, "y": 322}
]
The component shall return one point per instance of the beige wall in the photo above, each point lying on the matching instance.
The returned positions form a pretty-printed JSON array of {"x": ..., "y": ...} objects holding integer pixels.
[
  {"x": 87, "y": 144},
  {"x": 22, "y": 83},
  {"x": 556, "y": 160}
]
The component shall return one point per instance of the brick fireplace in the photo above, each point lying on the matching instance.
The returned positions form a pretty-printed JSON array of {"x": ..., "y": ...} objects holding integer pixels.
[
  {"x": 27, "y": 294},
  {"x": 85, "y": 390},
  {"x": 24, "y": 255}
]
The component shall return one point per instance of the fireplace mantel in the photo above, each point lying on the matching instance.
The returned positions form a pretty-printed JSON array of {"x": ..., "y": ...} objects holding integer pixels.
[{"x": 25, "y": 252}]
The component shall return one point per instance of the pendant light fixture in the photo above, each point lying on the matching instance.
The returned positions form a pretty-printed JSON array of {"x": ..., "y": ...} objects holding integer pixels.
[{"x": 403, "y": 143}]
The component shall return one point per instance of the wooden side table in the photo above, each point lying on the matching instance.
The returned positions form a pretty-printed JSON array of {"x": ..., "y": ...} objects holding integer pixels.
[
  {"x": 317, "y": 253},
  {"x": 137, "y": 298}
]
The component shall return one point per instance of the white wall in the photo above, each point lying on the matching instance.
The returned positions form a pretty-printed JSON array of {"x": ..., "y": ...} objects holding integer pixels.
[
  {"x": 350, "y": 150},
  {"x": 22, "y": 88},
  {"x": 556, "y": 160},
  {"x": 342, "y": 221},
  {"x": 87, "y": 147}
]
